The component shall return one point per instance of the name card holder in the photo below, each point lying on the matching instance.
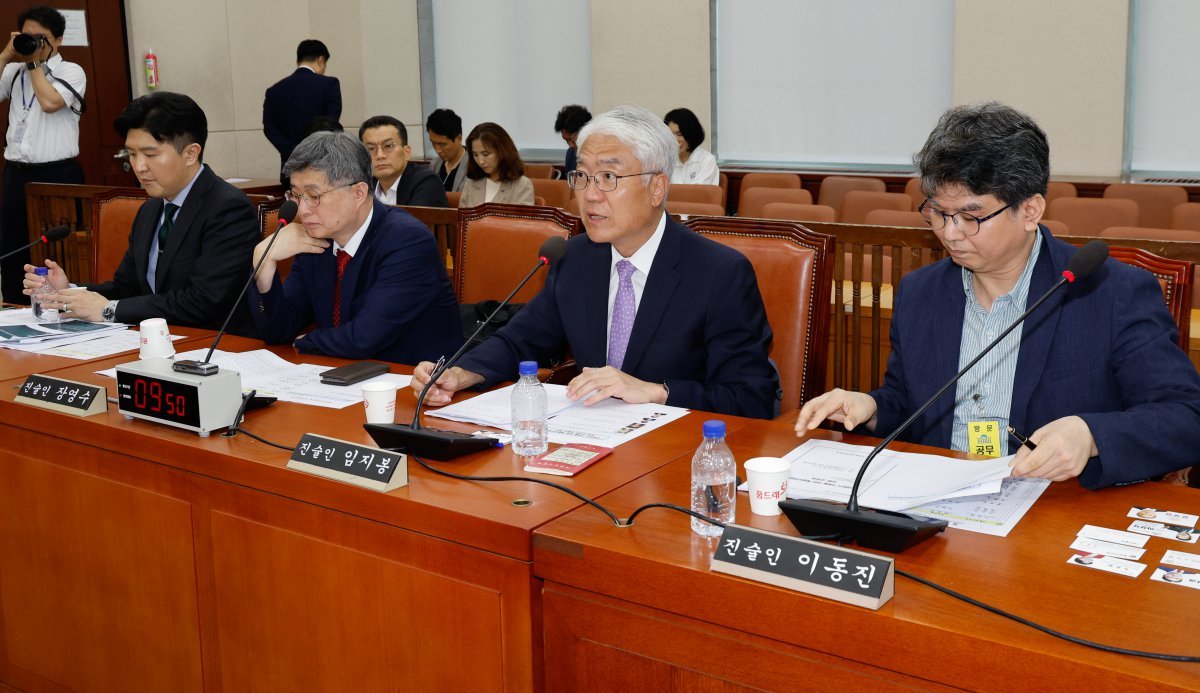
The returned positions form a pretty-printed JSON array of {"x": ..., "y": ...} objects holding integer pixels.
[
  {"x": 351, "y": 463},
  {"x": 63, "y": 396},
  {"x": 823, "y": 570}
]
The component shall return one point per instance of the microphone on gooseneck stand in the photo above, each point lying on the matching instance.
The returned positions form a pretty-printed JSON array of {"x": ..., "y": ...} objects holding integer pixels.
[
  {"x": 53, "y": 235},
  {"x": 893, "y": 531},
  {"x": 440, "y": 444},
  {"x": 286, "y": 214}
]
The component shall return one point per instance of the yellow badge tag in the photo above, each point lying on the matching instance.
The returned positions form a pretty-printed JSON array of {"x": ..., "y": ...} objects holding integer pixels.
[{"x": 983, "y": 438}]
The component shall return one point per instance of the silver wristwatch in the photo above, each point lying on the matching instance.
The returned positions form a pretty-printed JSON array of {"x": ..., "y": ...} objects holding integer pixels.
[{"x": 110, "y": 312}]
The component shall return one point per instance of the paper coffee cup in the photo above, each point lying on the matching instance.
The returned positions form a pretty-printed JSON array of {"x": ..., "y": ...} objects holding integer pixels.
[
  {"x": 155, "y": 339},
  {"x": 379, "y": 401},
  {"x": 766, "y": 481}
]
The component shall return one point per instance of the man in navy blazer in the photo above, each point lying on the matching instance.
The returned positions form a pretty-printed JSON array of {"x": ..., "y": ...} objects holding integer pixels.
[
  {"x": 651, "y": 311},
  {"x": 369, "y": 276},
  {"x": 1094, "y": 376},
  {"x": 292, "y": 102}
]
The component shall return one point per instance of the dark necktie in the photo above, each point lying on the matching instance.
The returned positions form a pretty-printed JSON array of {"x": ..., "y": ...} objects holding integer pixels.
[
  {"x": 168, "y": 221},
  {"x": 343, "y": 259}
]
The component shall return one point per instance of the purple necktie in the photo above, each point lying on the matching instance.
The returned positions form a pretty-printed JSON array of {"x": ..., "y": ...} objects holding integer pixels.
[{"x": 624, "y": 311}]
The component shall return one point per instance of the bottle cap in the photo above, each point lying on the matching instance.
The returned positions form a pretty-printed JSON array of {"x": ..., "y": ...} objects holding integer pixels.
[
  {"x": 714, "y": 429},
  {"x": 527, "y": 368},
  {"x": 41, "y": 271}
]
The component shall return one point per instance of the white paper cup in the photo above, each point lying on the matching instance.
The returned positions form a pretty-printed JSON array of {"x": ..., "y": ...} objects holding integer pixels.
[
  {"x": 379, "y": 400},
  {"x": 766, "y": 479},
  {"x": 155, "y": 339}
]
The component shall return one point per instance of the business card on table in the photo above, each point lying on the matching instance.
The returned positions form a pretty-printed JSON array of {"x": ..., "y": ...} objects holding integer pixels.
[
  {"x": 1187, "y": 560},
  {"x": 1105, "y": 548},
  {"x": 1107, "y": 564},
  {"x": 1158, "y": 529},
  {"x": 1176, "y": 576},
  {"x": 1169, "y": 517},
  {"x": 1114, "y": 536}
]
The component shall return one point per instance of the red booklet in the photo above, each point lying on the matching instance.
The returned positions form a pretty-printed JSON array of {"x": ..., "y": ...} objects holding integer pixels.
[{"x": 567, "y": 460}]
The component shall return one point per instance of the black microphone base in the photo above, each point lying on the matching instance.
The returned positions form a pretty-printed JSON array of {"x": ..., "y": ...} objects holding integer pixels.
[
  {"x": 872, "y": 529},
  {"x": 433, "y": 443}
]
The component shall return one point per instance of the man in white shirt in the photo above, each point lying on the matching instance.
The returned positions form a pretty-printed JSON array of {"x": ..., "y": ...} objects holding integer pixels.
[{"x": 45, "y": 96}]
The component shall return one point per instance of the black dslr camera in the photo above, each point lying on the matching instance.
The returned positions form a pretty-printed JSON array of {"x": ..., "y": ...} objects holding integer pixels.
[{"x": 27, "y": 44}]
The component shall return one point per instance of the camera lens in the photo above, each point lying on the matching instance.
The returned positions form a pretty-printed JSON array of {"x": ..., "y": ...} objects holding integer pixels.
[{"x": 26, "y": 44}]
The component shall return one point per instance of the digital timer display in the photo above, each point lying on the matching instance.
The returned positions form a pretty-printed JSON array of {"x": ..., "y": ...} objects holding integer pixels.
[{"x": 158, "y": 398}]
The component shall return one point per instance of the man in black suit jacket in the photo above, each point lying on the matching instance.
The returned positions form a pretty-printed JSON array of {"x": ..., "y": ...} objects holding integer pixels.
[
  {"x": 292, "y": 102},
  {"x": 395, "y": 182},
  {"x": 187, "y": 254}
]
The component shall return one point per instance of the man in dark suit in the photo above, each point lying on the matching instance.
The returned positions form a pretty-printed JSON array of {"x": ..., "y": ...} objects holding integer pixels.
[
  {"x": 292, "y": 102},
  {"x": 395, "y": 182},
  {"x": 190, "y": 242},
  {"x": 651, "y": 311},
  {"x": 368, "y": 275},
  {"x": 1094, "y": 376}
]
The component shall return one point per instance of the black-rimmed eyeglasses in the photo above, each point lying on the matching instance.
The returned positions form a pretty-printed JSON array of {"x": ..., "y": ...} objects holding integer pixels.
[{"x": 967, "y": 224}]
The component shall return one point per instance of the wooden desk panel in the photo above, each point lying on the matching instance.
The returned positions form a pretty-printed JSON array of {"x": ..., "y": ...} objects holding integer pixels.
[{"x": 600, "y": 581}]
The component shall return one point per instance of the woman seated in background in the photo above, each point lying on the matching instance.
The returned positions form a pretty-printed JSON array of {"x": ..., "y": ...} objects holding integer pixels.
[
  {"x": 696, "y": 166},
  {"x": 495, "y": 172}
]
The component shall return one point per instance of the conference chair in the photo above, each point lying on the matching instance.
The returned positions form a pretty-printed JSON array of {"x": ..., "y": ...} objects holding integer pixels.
[
  {"x": 267, "y": 209},
  {"x": 1057, "y": 189},
  {"x": 794, "y": 267},
  {"x": 1088, "y": 216},
  {"x": 539, "y": 201},
  {"x": 751, "y": 181},
  {"x": 1056, "y": 227},
  {"x": 1186, "y": 216},
  {"x": 798, "y": 212},
  {"x": 541, "y": 171},
  {"x": 752, "y": 201},
  {"x": 112, "y": 220},
  {"x": 556, "y": 193},
  {"x": 452, "y": 198},
  {"x": 1155, "y": 202},
  {"x": 891, "y": 217},
  {"x": 834, "y": 188},
  {"x": 694, "y": 208},
  {"x": 687, "y": 192},
  {"x": 913, "y": 189},
  {"x": 856, "y": 204},
  {"x": 498, "y": 245},
  {"x": 723, "y": 182},
  {"x": 1175, "y": 278},
  {"x": 1184, "y": 235}
]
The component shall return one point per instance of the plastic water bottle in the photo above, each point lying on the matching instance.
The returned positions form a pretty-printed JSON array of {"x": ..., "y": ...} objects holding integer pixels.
[
  {"x": 529, "y": 412},
  {"x": 714, "y": 486},
  {"x": 43, "y": 313}
]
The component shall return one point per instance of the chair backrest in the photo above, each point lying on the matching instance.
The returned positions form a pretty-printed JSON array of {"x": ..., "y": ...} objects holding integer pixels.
[
  {"x": 798, "y": 212},
  {"x": 794, "y": 267},
  {"x": 1175, "y": 278},
  {"x": 1186, "y": 216},
  {"x": 1137, "y": 232},
  {"x": 834, "y": 188},
  {"x": 891, "y": 217},
  {"x": 452, "y": 198},
  {"x": 1155, "y": 202},
  {"x": 497, "y": 246},
  {"x": 267, "y": 209},
  {"x": 750, "y": 181},
  {"x": 1088, "y": 216},
  {"x": 913, "y": 189},
  {"x": 695, "y": 208},
  {"x": 687, "y": 192},
  {"x": 857, "y": 203},
  {"x": 723, "y": 183},
  {"x": 112, "y": 221},
  {"x": 1056, "y": 227},
  {"x": 752, "y": 201},
  {"x": 1057, "y": 189},
  {"x": 542, "y": 171},
  {"x": 556, "y": 193}
]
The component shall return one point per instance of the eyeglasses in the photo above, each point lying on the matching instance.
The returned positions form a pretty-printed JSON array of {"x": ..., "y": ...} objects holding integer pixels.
[
  {"x": 387, "y": 147},
  {"x": 606, "y": 181},
  {"x": 313, "y": 199},
  {"x": 967, "y": 224}
]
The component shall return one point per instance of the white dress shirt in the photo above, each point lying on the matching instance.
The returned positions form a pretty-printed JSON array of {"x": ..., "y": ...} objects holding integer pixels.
[
  {"x": 642, "y": 259},
  {"x": 34, "y": 136},
  {"x": 388, "y": 196},
  {"x": 699, "y": 169}
]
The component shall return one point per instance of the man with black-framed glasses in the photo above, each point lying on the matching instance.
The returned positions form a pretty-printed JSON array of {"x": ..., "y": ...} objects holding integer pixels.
[
  {"x": 650, "y": 310},
  {"x": 395, "y": 182},
  {"x": 1094, "y": 377}
]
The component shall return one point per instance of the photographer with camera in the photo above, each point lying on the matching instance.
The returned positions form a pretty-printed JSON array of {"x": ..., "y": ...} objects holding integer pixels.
[{"x": 45, "y": 96}]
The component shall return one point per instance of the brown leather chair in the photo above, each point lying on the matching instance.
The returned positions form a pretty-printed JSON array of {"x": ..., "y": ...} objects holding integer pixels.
[
  {"x": 1155, "y": 202},
  {"x": 267, "y": 208},
  {"x": 687, "y": 192},
  {"x": 1186, "y": 235},
  {"x": 753, "y": 201},
  {"x": 556, "y": 193},
  {"x": 913, "y": 189},
  {"x": 1056, "y": 227},
  {"x": 112, "y": 221},
  {"x": 694, "y": 208},
  {"x": 834, "y": 188},
  {"x": 1057, "y": 189},
  {"x": 857, "y": 203},
  {"x": 1186, "y": 216},
  {"x": 1175, "y": 278},
  {"x": 752, "y": 181},
  {"x": 891, "y": 217},
  {"x": 797, "y": 212},
  {"x": 497, "y": 246},
  {"x": 723, "y": 182},
  {"x": 541, "y": 171},
  {"x": 1088, "y": 216},
  {"x": 452, "y": 199},
  {"x": 794, "y": 267}
]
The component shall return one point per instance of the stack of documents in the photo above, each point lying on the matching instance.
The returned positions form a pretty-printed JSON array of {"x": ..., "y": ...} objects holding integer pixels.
[{"x": 20, "y": 330}]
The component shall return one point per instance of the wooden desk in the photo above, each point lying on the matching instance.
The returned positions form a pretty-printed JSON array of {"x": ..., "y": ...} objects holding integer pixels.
[
  {"x": 638, "y": 608},
  {"x": 141, "y": 557}
]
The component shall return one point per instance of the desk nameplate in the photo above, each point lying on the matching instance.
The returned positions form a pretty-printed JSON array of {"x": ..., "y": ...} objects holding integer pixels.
[
  {"x": 351, "y": 463},
  {"x": 63, "y": 396}
]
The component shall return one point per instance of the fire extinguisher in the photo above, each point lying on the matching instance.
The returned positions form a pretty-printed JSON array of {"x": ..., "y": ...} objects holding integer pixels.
[{"x": 151, "y": 69}]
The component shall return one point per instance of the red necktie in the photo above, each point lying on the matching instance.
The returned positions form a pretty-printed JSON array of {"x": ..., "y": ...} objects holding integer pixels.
[{"x": 343, "y": 259}]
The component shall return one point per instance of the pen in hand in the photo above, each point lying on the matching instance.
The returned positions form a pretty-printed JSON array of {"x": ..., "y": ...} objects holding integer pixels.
[{"x": 1023, "y": 440}]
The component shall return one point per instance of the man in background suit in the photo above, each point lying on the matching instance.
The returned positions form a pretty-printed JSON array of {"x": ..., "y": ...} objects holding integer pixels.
[
  {"x": 368, "y": 275},
  {"x": 292, "y": 102},
  {"x": 188, "y": 248},
  {"x": 397, "y": 183},
  {"x": 651, "y": 310}
]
